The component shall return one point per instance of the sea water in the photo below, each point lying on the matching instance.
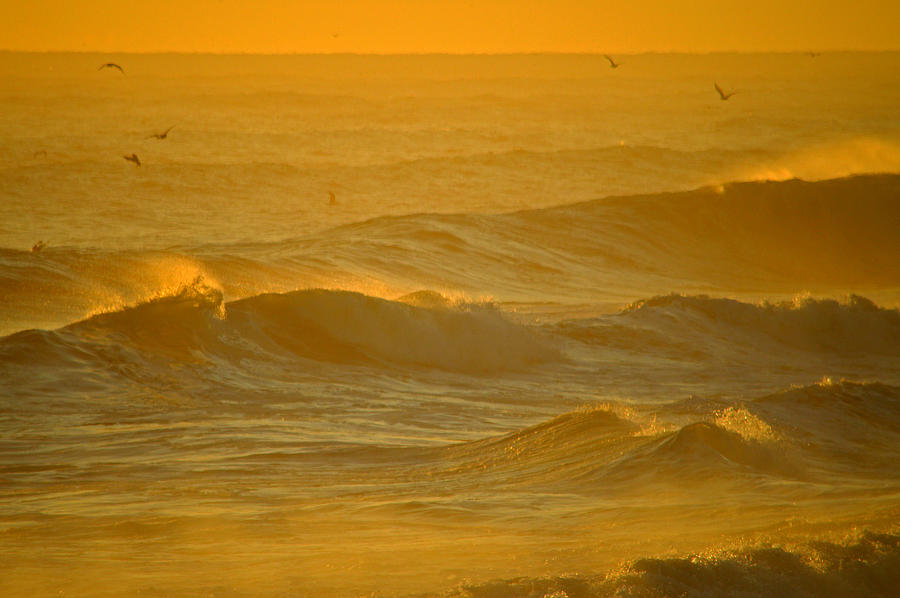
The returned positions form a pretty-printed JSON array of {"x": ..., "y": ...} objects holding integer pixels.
[{"x": 563, "y": 331}]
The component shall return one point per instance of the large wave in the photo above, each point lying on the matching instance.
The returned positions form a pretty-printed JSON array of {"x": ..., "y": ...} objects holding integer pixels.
[
  {"x": 755, "y": 235},
  {"x": 468, "y": 338},
  {"x": 840, "y": 230},
  {"x": 195, "y": 326}
]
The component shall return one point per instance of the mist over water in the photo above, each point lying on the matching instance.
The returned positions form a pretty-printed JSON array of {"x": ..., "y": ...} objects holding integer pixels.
[{"x": 564, "y": 330}]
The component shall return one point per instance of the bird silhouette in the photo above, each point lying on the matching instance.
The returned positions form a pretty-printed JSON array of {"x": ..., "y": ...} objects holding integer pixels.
[
  {"x": 133, "y": 158},
  {"x": 36, "y": 248},
  {"x": 722, "y": 95},
  {"x": 331, "y": 198},
  {"x": 111, "y": 65},
  {"x": 162, "y": 135},
  {"x": 612, "y": 63},
  {"x": 40, "y": 153},
  {"x": 814, "y": 54}
]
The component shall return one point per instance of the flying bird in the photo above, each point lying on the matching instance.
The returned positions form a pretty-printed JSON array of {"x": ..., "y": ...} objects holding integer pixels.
[
  {"x": 133, "y": 158},
  {"x": 332, "y": 200},
  {"x": 163, "y": 134},
  {"x": 612, "y": 63},
  {"x": 722, "y": 95},
  {"x": 111, "y": 65},
  {"x": 36, "y": 248},
  {"x": 40, "y": 153},
  {"x": 814, "y": 54}
]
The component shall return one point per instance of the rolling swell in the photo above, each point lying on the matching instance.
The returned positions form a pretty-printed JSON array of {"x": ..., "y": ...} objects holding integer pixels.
[
  {"x": 856, "y": 325},
  {"x": 806, "y": 232},
  {"x": 755, "y": 235}
]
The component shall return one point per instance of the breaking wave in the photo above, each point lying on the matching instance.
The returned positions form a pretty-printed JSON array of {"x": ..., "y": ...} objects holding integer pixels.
[
  {"x": 868, "y": 565},
  {"x": 196, "y": 325}
]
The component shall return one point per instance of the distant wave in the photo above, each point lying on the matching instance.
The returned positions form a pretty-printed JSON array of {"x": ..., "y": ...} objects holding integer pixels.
[
  {"x": 858, "y": 155},
  {"x": 865, "y": 565},
  {"x": 757, "y": 235},
  {"x": 615, "y": 168},
  {"x": 806, "y": 337},
  {"x": 857, "y": 325},
  {"x": 680, "y": 164},
  {"x": 834, "y": 230}
]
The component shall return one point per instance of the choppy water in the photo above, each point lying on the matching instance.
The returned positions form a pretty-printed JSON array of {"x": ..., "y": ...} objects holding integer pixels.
[{"x": 566, "y": 331}]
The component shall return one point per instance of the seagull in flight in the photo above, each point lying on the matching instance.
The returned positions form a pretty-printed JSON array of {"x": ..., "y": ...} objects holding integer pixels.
[
  {"x": 161, "y": 135},
  {"x": 722, "y": 95},
  {"x": 612, "y": 63},
  {"x": 133, "y": 158},
  {"x": 111, "y": 65}
]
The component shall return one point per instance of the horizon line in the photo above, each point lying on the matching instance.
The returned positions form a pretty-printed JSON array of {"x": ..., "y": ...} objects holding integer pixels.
[{"x": 398, "y": 54}]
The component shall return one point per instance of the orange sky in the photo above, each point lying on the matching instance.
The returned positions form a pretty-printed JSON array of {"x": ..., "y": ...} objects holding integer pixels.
[{"x": 455, "y": 26}]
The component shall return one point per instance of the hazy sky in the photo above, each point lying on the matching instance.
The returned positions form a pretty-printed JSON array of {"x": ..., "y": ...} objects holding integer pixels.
[{"x": 389, "y": 26}]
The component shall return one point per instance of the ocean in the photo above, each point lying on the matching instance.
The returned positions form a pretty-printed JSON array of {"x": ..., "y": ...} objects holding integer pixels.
[{"x": 563, "y": 331}]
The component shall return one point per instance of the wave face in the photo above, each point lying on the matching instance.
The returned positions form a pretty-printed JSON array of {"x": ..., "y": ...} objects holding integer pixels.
[
  {"x": 803, "y": 231},
  {"x": 562, "y": 332},
  {"x": 344, "y": 326}
]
